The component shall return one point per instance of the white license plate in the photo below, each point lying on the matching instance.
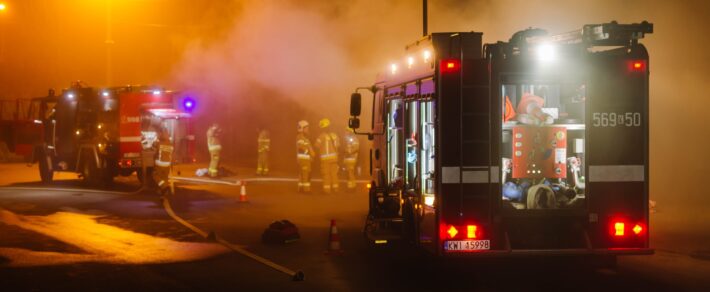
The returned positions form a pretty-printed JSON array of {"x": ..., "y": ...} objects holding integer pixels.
[{"x": 464, "y": 245}]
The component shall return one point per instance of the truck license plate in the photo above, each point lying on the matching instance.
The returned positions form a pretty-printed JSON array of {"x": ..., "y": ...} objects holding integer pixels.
[{"x": 464, "y": 245}]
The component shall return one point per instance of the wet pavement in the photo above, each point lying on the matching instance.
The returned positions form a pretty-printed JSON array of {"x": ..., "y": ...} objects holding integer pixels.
[{"x": 89, "y": 240}]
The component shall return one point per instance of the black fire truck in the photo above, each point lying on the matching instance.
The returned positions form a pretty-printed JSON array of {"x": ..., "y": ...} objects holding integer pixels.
[{"x": 534, "y": 146}]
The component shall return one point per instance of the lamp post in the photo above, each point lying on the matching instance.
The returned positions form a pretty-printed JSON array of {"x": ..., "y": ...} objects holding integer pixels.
[
  {"x": 109, "y": 43},
  {"x": 3, "y": 8}
]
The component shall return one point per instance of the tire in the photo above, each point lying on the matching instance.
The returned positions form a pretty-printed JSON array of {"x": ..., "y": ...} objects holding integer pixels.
[
  {"x": 90, "y": 171},
  {"x": 409, "y": 227},
  {"x": 149, "y": 175},
  {"x": 45, "y": 171}
]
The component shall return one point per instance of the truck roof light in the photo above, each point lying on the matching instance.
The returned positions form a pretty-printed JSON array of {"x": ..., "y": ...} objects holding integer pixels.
[
  {"x": 393, "y": 68},
  {"x": 104, "y": 94},
  {"x": 188, "y": 104},
  {"x": 410, "y": 61},
  {"x": 637, "y": 65},
  {"x": 156, "y": 92},
  {"x": 451, "y": 65},
  {"x": 70, "y": 95},
  {"x": 546, "y": 52}
]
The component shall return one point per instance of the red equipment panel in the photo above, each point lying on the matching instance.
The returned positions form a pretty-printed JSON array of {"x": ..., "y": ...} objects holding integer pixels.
[{"x": 539, "y": 152}]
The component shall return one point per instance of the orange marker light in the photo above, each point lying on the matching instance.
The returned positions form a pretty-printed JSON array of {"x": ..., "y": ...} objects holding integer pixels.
[
  {"x": 452, "y": 231},
  {"x": 638, "y": 65},
  {"x": 637, "y": 229},
  {"x": 369, "y": 186},
  {"x": 471, "y": 231},
  {"x": 450, "y": 65},
  {"x": 619, "y": 229}
]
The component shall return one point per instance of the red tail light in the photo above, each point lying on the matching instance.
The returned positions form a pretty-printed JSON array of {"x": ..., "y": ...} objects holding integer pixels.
[
  {"x": 451, "y": 65},
  {"x": 637, "y": 65}
]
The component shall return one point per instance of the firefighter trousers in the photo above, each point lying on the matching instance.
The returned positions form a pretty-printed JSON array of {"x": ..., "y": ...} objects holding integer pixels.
[
  {"x": 329, "y": 169},
  {"x": 262, "y": 164},
  {"x": 350, "y": 164},
  {"x": 213, "y": 169},
  {"x": 161, "y": 175},
  {"x": 304, "y": 174}
]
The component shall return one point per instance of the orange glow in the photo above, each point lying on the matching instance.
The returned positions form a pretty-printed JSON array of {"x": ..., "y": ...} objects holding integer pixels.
[
  {"x": 452, "y": 231},
  {"x": 369, "y": 186},
  {"x": 619, "y": 229},
  {"x": 471, "y": 231},
  {"x": 637, "y": 229},
  {"x": 2, "y": 7},
  {"x": 450, "y": 65},
  {"x": 638, "y": 65}
]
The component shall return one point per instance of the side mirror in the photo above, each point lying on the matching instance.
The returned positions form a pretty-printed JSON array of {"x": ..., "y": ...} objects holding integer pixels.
[
  {"x": 355, "y": 104},
  {"x": 354, "y": 123}
]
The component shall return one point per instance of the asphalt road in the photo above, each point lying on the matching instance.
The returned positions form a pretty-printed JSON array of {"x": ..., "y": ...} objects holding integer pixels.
[{"x": 87, "y": 240}]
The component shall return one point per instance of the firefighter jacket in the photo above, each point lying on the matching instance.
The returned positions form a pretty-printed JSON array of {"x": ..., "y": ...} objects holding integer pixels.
[
  {"x": 264, "y": 142},
  {"x": 328, "y": 144},
  {"x": 304, "y": 150},
  {"x": 352, "y": 146},
  {"x": 165, "y": 153},
  {"x": 213, "y": 143}
]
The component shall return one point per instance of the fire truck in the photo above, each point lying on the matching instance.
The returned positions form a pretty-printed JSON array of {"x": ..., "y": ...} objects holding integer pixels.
[
  {"x": 101, "y": 133},
  {"x": 460, "y": 165}
]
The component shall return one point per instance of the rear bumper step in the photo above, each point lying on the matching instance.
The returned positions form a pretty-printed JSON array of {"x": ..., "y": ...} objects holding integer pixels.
[{"x": 549, "y": 252}]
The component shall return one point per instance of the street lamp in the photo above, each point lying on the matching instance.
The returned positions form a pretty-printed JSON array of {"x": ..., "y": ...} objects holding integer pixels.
[{"x": 2, "y": 7}]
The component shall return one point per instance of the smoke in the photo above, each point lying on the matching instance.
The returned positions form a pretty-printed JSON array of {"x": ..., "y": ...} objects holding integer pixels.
[{"x": 282, "y": 61}]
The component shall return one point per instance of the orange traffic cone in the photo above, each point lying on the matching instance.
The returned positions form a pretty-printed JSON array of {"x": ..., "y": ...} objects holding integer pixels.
[
  {"x": 243, "y": 193},
  {"x": 334, "y": 244}
]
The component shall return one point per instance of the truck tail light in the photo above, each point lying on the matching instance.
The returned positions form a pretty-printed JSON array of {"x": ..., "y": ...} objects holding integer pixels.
[
  {"x": 452, "y": 231},
  {"x": 450, "y": 65},
  {"x": 619, "y": 229},
  {"x": 638, "y": 229},
  {"x": 471, "y": 231}
]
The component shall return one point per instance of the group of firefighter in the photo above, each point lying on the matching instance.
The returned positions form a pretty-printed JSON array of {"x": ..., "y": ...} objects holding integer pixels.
[{"x": 327, "y": 143}]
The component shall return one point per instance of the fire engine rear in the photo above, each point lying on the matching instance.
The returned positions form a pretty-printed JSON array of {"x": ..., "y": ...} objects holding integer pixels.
[
  {"x": 102, "y": 133},
  {"x": 535, "y": 146}
]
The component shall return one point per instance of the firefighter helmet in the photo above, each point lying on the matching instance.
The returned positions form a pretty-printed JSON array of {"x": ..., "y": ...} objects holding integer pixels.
[
  {"x": 324, "y": 123},
  {"x": 302, "y": 124}
]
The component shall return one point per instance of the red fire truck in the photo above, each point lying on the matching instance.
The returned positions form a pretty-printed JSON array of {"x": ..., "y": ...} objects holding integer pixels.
[
  {"x": 102, "y": 133},
  {"x": 535, "y": 146}
]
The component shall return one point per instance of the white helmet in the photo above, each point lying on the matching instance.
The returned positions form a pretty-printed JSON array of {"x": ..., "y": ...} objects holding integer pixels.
[{"x": 302, "y": 125}]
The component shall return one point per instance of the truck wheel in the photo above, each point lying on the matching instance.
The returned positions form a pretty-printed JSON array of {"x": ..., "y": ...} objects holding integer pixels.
[
  {"x": 90, "y": 171},
  {"x": 409, "y": 228},
  {"x": 45, "y": 171},
  {"x": 149, "y": 176}
]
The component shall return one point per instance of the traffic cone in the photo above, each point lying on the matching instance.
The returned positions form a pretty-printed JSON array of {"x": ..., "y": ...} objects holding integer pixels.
[
  {"x": 334, "y": 242},
  {"x": 243, "y": 193}
]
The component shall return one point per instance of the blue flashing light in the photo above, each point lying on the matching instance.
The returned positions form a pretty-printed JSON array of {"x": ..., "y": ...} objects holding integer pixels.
[{"x": 188, "y": 104}]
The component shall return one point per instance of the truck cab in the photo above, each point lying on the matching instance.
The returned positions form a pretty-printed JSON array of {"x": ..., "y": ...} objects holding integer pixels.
[{"x": 534, "y": 146}]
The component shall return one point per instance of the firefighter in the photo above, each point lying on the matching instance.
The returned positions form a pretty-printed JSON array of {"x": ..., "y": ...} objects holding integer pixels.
[
  {"x": 214, "y": 146},
  {"x": 304, "y": 155},
  {"x": 264, "y": 146},
  {"x": 352, "y": 148},
  {"x": 163, "y": 161},
  {"x": 327, "y": 144}
]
